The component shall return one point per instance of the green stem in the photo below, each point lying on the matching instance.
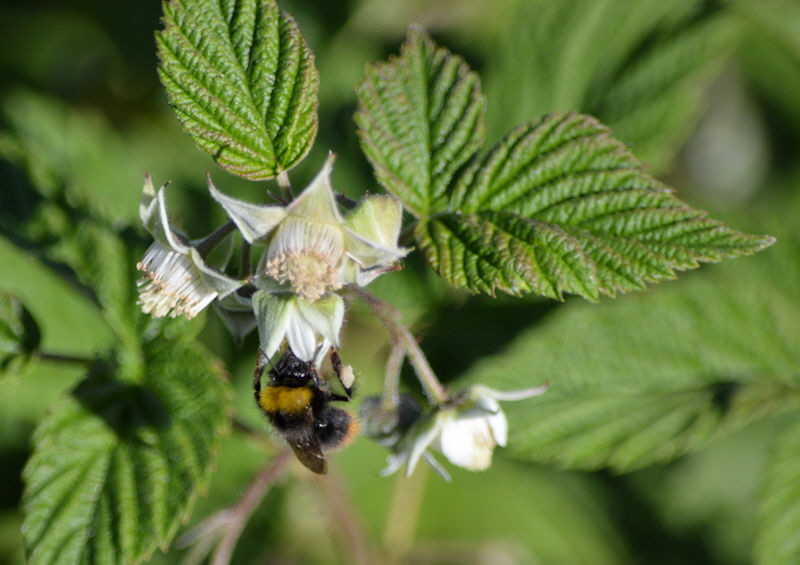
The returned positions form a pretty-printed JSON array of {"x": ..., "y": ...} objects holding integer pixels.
[
  {"x": 391, "y": 383},
  {"x": 209, "y": 243},
  {"x": 61, "y": 358},
  {"x": 285, "y": 185},
  {"x": 391, "y": 319}
]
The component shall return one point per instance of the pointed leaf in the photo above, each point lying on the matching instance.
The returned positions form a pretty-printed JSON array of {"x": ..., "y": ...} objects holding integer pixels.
[
  {"x": 779, "y": 516},
  {"x": 116, "y": 466},
  {"x": 242, "y": 81},
  {"x": 420, "y": 118},
  {"x": 566, "y": 170}
]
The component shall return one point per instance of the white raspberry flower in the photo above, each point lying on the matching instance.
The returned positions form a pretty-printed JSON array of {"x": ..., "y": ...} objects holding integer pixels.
[
  {"x": 176, "y": 280},
  {"x": 311, "y": 248},
  {"x": 465, "y": 430}
]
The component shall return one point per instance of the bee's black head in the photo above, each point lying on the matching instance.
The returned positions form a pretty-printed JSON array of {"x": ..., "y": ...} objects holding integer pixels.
[{"x": 292, "y": 372}]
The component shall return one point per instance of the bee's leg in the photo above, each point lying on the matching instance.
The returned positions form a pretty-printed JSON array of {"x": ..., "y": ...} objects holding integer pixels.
[
  {"x": 261, "y": 363},
  {"x": 344, "y": 373}
]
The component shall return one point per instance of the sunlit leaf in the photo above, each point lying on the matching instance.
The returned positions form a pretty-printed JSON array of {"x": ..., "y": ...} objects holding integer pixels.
[
  {"x": 420, "y": 118},
  {"x": 618, "y": 227},
  {"x": 117, "y": 465},
  {"x": 242, "y": 81}
]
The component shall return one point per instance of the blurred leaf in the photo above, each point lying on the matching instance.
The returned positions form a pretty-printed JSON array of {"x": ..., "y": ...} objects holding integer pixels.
[
  {"x": 19, "y": 334},
  {"x": 559, "y": 205},
  {"x": 116, "y": 466},
  {"x": 780, "y": 18},
  {"x": 639, "y": 66},
  {"x": 60, "y": 146},
  {"x": 648, "y": 378},
  {"x": 242, "y": 81},
  {"x": 779, "y": 516},
  {"x": 420, "y": 119}
]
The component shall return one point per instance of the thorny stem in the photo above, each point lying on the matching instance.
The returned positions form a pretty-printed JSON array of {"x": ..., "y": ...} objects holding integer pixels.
[
  {"x": 209, "y": 243},
  {"x": 238, "y": 516},
  {"x": 390, "y": 317}
]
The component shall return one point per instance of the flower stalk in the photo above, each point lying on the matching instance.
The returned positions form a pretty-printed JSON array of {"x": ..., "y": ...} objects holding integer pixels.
[{"x": 390, "y": 317}]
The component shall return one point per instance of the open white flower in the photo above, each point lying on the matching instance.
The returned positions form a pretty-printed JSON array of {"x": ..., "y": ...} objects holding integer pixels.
[
  {"x": 311, "y": 248},
  {"x": 465, "y": 430},
  {"x": 310, "y": 328},
  {"x": 176, "y": 280}
]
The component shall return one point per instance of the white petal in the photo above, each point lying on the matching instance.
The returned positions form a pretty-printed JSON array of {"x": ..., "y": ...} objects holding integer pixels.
[
  {"x": 272, "y": 314},
  {"x": 427, "y": 433},
  {"x": 317, "y": 202},
  {"x": 468, "y": 443},
  {"x": 301, "y": 336},
  {"x": 325, "y": 316},
  {"x": 499, "y": 425},
  {"x": 253, "y": 221},
  {"x": 507, "y": 395},
  {"x": 222, "y": 284}
]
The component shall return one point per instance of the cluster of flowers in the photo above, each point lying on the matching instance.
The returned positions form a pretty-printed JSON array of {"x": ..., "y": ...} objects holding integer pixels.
[{"x": 311, "y": 252}]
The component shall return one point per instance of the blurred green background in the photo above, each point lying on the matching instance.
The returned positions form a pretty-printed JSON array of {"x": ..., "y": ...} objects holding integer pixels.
[{"x": 708, "y": 93}]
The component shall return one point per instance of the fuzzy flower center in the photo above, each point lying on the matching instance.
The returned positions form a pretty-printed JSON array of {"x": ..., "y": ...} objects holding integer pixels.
[{"x": 307, "y": 256}]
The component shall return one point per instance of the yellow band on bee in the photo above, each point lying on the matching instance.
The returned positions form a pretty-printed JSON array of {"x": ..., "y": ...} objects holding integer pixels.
[{"x": 285, "y": 399}]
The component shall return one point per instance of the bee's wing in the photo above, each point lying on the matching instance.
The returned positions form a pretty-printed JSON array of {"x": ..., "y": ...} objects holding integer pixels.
[
  {"x": 306, "y": 446},
  {"x": 308, "y": 451}
]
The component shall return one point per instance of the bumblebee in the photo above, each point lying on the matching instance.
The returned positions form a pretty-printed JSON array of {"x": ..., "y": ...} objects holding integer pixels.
[{"x": 297, "y": 402}]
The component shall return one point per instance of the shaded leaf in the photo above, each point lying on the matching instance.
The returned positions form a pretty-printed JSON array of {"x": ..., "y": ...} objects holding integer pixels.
[
  {"x": 647, "y": 84},
  {"x": 779, "y": 515},
  {"x": 420, "y": 118},
  {"x": 650, "y": 377},
  {"x": 242, "y": 81},
  {"x": 19, "y": 334},
  {"x": 117, "y": 466}
]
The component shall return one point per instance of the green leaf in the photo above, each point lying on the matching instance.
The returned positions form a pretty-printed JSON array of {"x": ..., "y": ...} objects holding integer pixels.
[
  {"x": 650, "y": 377},
  {"x": 779, "y": 515},
  {"x": 648, "y": 84},
  {"x": 19, "y": 334},
  {"x": 567, "y": 175},
  {"x": 242, "y": 81},
  {"x": 116, "y": 466},
  {"x": 491, "y": 251},
  {"x": 420, "y": 118}
]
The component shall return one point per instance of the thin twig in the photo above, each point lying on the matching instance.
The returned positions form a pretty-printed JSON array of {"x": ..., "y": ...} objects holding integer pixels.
[
  {"x": 239, "y": 515},
  {"x": 391, "y": 319}
]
